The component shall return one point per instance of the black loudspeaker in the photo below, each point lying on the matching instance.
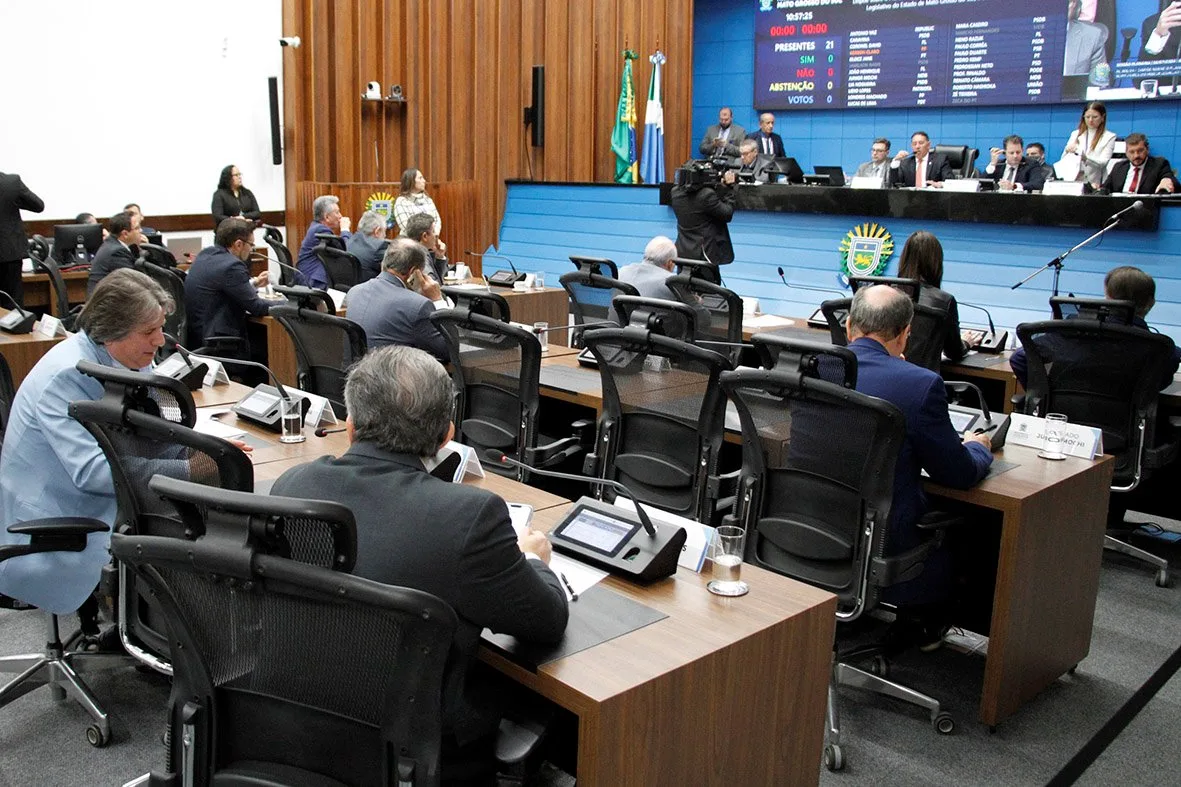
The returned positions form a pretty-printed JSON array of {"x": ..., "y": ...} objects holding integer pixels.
[
  {"x": 276, "y": 137},
  {"x": 537, "y": 111}
]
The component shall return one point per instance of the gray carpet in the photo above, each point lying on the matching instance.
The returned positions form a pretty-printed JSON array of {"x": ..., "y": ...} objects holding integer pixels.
[{"x": 886, "y": 743}]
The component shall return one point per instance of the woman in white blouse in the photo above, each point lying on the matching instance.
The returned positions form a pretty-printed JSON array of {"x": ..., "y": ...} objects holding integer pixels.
[
  {"x": 414, "y": 199},
  {"x": 1093, "y": 143}
]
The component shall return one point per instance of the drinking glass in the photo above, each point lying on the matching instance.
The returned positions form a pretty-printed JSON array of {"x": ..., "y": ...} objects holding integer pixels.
[
  {"x": 539, "y": 280},
  {"x": 541, "y": 330},
  {"x": 291, "y": 413},
  {"x": 728, "y": 544},
  {"x": 1055, "y": 431}
]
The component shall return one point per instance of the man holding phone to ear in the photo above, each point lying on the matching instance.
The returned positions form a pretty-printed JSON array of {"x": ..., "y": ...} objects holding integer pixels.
[{"x": 395, "y": 307}]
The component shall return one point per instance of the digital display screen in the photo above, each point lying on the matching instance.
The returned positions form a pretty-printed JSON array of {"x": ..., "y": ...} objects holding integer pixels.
[
  {"x": 597, "y": 531},
  {"x": 258, "y": 403},
  {"x": 961, "y": 421},
  {"x": 847, "y": 54}
]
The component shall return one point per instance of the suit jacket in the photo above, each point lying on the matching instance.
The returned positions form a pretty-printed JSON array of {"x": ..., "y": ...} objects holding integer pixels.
[
  {"x": 308, "y": 262},
  {"x": 1031, "y": 177},
  {"x": 648, "y": 279},
  {"x": 450, "y": 540},
  {"x": 931, "y": 444},
  {"x": 225, "y": 205},
  {"x": 866, "y": 170},
  {"x": 111, "y": 256},
  {"x": 737, "y": 134},
  {"x": 776, "y": 143},
  {"x": 15, "y": 197},
  {"x": 1154, "y": 170},
  {"x": 762, "y": 170},
  {"x": 370, "y": 251},
  {"x": 1085, "y": 47},
  {"x": 938, "y": 169},
  {"x": 1094, "y": 159},
  {"x": 952, "y": 343},
  {"x": 702, "y": 218},
  {"x": 391, "y": 313},
  {"x": 219, "y": 295}
]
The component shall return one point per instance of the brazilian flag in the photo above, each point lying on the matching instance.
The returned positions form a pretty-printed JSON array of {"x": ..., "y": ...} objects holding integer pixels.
[{"x": 623, "y": 136}]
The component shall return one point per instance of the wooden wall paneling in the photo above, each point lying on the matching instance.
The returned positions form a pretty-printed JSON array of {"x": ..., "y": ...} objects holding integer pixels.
[
  {"x": 678, "y": 84},
  {"x": 320, "y": 43},
  {"x": 371, "y": 116}
]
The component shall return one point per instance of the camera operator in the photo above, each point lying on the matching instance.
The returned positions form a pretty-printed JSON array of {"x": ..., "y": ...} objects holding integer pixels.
[{"x": 703, "y": 201}]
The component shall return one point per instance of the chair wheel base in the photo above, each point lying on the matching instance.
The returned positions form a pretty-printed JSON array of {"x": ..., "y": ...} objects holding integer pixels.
[
  {"x": 943, "y": 723},
  {"x": 834, "y": 757},
  {"x": 1162, "y": 578},
  {"x": 96, "y": 737}
]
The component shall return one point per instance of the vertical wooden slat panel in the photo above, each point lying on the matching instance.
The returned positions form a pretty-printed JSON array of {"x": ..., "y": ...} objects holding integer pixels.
[{"x": 466, "y": 67}]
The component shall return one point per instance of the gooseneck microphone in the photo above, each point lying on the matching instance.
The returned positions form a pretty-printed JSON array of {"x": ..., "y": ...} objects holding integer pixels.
[
  {"x": 808, "y": 287},
  {"x": 501, "y": 278},
  {"x": 17, "y": 320},
  {"x": 991, "y": 327},
  {"x": 238, "y": 361},
  {"x": 497, "y": 456},
  {"x": 493, "y": 256},
  {"x": 322, "y": 432},
  {"x": 1133, "y": 208}
]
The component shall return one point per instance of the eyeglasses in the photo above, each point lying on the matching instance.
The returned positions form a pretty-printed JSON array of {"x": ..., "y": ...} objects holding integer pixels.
[{"x": 880, "y": 150}]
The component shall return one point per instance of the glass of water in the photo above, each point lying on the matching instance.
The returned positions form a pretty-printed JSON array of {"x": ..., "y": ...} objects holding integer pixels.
[
  {"x": 728, "y": 544},
  {"x": 541, "y": 330},
  {"x": 1055, "y": 432},
  {"x": 291, "y": 412},
  {"x": 539, "y": 280}
]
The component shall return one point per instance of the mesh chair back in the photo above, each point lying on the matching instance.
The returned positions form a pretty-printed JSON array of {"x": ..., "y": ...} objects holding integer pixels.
[
  {"x": 326, "y": 347},
  {"x": 342, "y": 268},
  {"x": 344, "y": 675},
  {"x": 176, "y": 323},
  {"x": 283, "y": 255},
  {"x": 597, "y": 265},
  {"x": 668, "y": 318},
  {"x": 698, "y": 269},
  {"x": 485, "y": 302},
  {"x": 1099, "y": 374},
  {"x": 1101, "y": 309},
  {"x": 837, "y": 365},
  {"x": 152, "y": 394},
  {"x": 723, "y": 306},
  {"x": 495, "y": 367},
  {"x": 817, "y": 480},
  {"x": 663, "y": 417},
  {"x": 50, "y": 267},
  {"x": 590, "y": 298}
]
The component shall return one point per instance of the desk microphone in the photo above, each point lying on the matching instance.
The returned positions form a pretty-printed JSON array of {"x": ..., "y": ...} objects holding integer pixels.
[
  {"x": 1134, "y": 207},
  {"x": 191, "y": 374},
  {"x": 322, "y": 432},
  {"x": 270, "y": 417},
  {"x": 18, "y": 320},
  {"x": 492, "y": 455},
  {"x": 992, "y": 343},
  {"x": 501, "y": 278}
]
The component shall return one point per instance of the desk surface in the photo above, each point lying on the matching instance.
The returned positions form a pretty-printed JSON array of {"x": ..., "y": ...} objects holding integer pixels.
[
  {"x": 22, "y": 351},
  {"x": 721, "y": 690}
]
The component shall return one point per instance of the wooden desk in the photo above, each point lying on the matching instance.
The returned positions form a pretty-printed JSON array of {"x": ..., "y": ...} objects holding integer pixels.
[
  {"x": 221, "y": 395},
  {"x": 1053, "y": 519},
  {"x": 722, "y": 690},
  {"x": 39, "y": 292},
  {"x": 22, "y": 351}
]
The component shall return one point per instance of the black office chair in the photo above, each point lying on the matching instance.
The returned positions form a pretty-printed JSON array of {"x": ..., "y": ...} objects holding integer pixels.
[
  {"x": 159, "y": 255},
  {"x": 1105, "y": 375},
  {"x": 341, "y": 268},
  {"x": 65, "y": 313},
  {"x": 837, "y": 365},
  {"x": 344, "y": 676},
  {"x": 38, "y": 247},
  {"x": 590, "y": 299},
  {"x": 662, "y": 423},
  {"x": 485, "y": 302},
  {"x": 673, "y": 319},
  {"x": 1066, "y": 307},
  {"x": 600, "y": 266},
  {"x": 927, "y": 332},
  {"x": 176, "y": 323},
  {"x": 326, "y": 346},
  {"x": 722, "y": 306},
  {"x": 7, "y": 393},
  {"x": 698, "y": 269},
  {"x": 814, "y": 497},
  {"x": 274, "y": 239},
  {"x": 495, "y": 367},
  {"x": 961, "y": 158}
]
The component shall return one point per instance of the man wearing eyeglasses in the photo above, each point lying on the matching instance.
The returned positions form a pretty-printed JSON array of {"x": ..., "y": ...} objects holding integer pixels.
[{"x": 879, "y": 163}]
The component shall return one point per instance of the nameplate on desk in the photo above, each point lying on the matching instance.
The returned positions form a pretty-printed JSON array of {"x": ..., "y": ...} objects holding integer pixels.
[
  {"x": 967, "y": 185},
  {"x": 217, "y": 372},
  {"x": 866, "y": 182},
  {"x": 1085, "y": 442},
  {"x": 697, "y": 536},
  {"x": 320, "y": 410},
  {"x": 50, "y": 326},
  {"x": 1069, "y": 188},
  {"x": 468, "y": 464}
]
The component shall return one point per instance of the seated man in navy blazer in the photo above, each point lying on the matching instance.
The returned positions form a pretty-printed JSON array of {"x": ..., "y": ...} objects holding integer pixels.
[
  {"x": 878, "y": 329},
  {"x": 116, "y": 251},
  {"x": 451, "y": 540},
  {"x": 922, "y": 169},
  {"x": 1011, "y": 171},
  {"x": 1140, "y": 173}
]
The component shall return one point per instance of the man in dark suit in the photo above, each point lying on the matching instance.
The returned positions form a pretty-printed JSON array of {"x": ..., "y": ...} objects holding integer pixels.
[
  {"x": 753, "y": 166},
  {"x": 703, "y": 213},
  {"x": 423, "y": 231},
  {"x": 368, "y": 243},
  {"x": 1140, "y": 173},
  {"x": 15, "y": 196},
  {"x": 1011, "y": 171},
  {"x": 451, "y": 540},
  {"x": 1159, "y": 37},
  {"x": 115, "y": 253},
  {"x": 924, "y": 168},
  {"x": 878, "y": 328},
  {"x": 769, "y": 143},
  {"x": 219, "y": 292},
  {"x": 721, "y": 139}
]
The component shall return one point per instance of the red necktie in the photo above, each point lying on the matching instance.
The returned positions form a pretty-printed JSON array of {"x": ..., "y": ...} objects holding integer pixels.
[
  {"x": 1135, "y": 180},
  {"x": 920, "y": 173}
]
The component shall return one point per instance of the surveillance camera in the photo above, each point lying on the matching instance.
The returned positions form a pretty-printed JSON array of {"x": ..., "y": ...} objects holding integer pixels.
[{"x": 291, "y": 41}]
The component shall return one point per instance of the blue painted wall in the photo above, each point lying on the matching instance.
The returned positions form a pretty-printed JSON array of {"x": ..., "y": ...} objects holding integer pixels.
[
  {"x": 544, "y": 224},
  {"x": 723, "y": 75}
]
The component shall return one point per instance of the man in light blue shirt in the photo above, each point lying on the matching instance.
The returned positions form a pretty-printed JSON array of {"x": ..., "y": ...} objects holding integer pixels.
[
  {"x": 50, "y": 465},
  {"x": 648, "y": 276}
]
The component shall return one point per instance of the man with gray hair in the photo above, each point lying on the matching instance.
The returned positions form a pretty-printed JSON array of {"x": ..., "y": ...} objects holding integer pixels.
[
  {"x": 648, "y": 276},
  {"x": 369, "y": 243},
  {"x": 326, "y": 218},
  {"x": 878, "y": 329},
  {"x": 51, "y": 466},
  {"x": 452, "y": 540},
  {"x": 395, "y": 307}
]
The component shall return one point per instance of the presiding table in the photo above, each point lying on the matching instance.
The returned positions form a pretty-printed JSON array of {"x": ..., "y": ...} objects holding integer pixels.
[{"x": 718, "y": 691}]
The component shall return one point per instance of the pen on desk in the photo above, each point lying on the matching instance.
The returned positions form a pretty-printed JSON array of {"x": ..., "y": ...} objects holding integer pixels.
[
  {"x": 569, "y": 587},
  {"x": 985, "y": 431}
]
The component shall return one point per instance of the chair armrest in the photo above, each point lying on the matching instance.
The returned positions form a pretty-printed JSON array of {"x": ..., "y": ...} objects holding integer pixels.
[
  {"x": 55, "y": 534},
  {"x": 938, "y": 521},
  {"x": 905, "y": 566},
  {"x": 553, "y": 453},
  {"x": 723, "y": 484},
  {"x": 1018, "y": 402},
  {"x": 590, "y": 465}
]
